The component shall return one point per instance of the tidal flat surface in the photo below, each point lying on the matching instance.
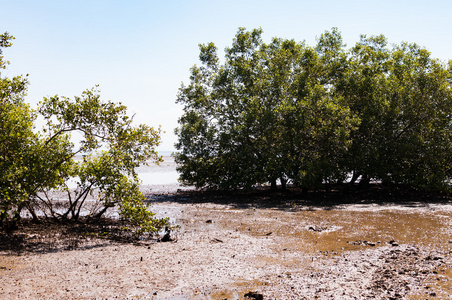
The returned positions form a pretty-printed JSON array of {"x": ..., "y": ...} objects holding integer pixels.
[
  {"x": 226, "y": 248},
  {"x": 231, "y": 249}
]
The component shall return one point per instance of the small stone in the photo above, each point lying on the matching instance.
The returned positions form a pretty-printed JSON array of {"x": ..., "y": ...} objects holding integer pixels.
[{"x": 254, "y": 295}]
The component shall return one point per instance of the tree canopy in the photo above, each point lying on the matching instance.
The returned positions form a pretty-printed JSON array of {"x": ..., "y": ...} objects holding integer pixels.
[
  {"x": 35, "y": 165},
  {"x": 315, "y": 115}
]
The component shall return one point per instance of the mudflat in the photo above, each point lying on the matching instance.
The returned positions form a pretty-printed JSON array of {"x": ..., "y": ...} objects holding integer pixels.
[{"x": 242, "y": 249}]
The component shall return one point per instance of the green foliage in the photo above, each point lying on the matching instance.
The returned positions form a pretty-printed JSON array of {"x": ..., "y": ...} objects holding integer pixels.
[
  {"x": 316, "y": 115},
  {"x": 112, "y": 148},
  {"x": 132, "y": 208},
  {"x": 16, "y": 135},
  {"x": 404, "y": 101},
  {"x": 96, "y": 171},
  {"x": 263, "y": 115}
]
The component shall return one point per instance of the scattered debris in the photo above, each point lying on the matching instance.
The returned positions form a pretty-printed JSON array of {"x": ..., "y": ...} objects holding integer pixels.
[
  {"x": 316, "y": 228},
  {"x": 363, "y": 243},
  {"x": 167, "y": 236},
  {"x": 254, "y": 295},
  {"x": 393, "y": 243}
]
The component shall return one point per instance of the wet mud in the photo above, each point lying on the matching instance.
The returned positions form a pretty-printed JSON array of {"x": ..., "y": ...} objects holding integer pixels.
[
  {"x": 232, "y": 250},
  {"x": 388, "y": 251}
]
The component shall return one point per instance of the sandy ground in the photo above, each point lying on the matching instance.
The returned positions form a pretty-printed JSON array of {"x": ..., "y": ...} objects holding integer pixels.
[{"x": 229, "y": 249}]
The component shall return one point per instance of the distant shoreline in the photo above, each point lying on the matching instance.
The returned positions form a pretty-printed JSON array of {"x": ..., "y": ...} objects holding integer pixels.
[{"x": 166, "y": 152}]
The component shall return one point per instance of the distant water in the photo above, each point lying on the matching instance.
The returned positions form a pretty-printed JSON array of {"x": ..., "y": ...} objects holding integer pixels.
[
  {"x": 163, "y": 174},
  {"x": 159, "y": 178},
  {"x": 165, "y": 153}
]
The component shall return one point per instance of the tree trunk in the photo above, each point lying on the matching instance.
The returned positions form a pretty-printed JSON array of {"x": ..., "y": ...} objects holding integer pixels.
[
  {"x": 283, "y": 183},
  {"x": 364, "y": 182},
  {"x": 33, "y": 213},
  {"x": 354, "y": 178},
  {"x": 273, "y": 187},
  {"x": 101, "y": 213},
  {"x": 327, "y": 186}
]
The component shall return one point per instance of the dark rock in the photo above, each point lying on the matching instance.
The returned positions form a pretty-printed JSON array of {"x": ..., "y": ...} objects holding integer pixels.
[
  {"x": 167, "y": 236},
  {"x": 254, "y": 295},
  {"x": 394, "y": 243}
]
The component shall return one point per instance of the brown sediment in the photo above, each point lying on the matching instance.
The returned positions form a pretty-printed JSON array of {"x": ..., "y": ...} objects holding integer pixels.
[{"x": 226, "y": 250}]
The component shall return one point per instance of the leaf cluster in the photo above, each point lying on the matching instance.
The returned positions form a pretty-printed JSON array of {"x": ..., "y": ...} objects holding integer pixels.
[
  {"x": 49, "y": 173},
  {"x": 315, "y": 115}
]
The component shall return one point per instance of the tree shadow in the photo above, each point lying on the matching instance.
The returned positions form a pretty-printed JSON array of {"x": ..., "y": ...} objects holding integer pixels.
[
  {"x": 296, "y": 199},
  {"x": 51, "y": 236}
]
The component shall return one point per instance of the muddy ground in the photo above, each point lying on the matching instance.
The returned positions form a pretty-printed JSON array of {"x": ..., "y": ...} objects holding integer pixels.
[{"x": 274, "y": 247}]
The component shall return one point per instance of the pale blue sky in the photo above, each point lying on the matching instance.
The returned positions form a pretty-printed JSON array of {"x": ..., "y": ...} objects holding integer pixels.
[{"x": 139, "y": 52}]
